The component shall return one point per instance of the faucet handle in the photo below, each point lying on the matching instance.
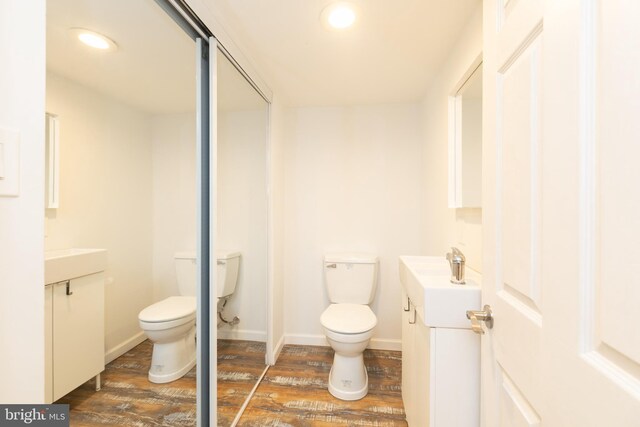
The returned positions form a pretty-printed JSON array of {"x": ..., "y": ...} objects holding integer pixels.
[{"x": 457, "y": 254}]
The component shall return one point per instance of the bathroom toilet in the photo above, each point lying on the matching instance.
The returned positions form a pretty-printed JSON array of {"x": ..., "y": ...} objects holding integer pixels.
[
  {"x": 228, "y": 265},
  {"x": 348, "y": 322},
  {"x": 170, "y": 324}
]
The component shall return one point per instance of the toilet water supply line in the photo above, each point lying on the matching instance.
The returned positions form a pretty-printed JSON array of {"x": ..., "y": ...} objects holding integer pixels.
[{"x": 232, "y": 322}]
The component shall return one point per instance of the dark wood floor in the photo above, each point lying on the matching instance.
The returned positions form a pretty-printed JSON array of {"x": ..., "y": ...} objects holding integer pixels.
[
  {"x": 240, "y": 364},
  {"x": 293, "y": 393},
  {"x": 128, "y": 398}
]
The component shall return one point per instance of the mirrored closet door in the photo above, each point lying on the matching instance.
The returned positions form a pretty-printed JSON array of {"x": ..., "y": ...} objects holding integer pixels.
[
  {"x": 241, "y": 243},
  {"x": 121, "y": 85}
]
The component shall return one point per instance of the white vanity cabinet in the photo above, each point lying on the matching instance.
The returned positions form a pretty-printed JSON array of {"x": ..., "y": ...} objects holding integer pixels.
[
  {"x": 415, "y": 364},
  {"x": 440, "y": 352},
  {"x": 440, "y": 373},
  {"x": 74, "y": 332}
]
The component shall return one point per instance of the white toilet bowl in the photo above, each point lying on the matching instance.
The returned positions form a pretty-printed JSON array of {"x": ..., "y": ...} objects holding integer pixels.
[
  {"x": 348, "y": 328},
  {"x": 171, "y": 326}
]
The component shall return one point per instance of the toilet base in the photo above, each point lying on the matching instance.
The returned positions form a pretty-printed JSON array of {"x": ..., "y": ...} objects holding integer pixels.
[
  {"x": 348, "y": 379},
  {"x": 172, "y": 360}
]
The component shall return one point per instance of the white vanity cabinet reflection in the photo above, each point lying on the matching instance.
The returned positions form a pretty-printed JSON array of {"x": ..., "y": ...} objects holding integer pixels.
[{"x": 74, "y": 334}]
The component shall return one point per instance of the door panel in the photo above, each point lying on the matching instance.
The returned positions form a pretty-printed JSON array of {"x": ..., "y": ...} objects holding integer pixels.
[
  {"x": 519, "y": 119},
  {"x": 617, "y": 294},
  {"x": 514, "y": 408},
  {"x": 512, "y": 214},
  {"x": 560, "y": 213}
]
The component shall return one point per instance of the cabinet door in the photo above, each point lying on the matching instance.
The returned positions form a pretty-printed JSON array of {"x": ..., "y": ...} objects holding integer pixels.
[
  {"x": 408, "y": 357},
  {"x": 48, "y": 344},
  {"x": 423, "y": 377},
  {"x": 78, "y": 332}
]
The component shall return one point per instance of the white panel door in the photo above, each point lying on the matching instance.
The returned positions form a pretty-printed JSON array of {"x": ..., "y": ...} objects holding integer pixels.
[{"x": 561, "y": 217}]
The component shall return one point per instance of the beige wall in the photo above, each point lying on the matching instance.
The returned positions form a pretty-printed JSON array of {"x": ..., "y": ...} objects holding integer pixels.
[
  {"x": 105, "y": 196},
  {"x": 353, "y": 182},
  {"x": 174, "y": 196},
  {"x": 22, "y": 77},
  {"x": 447, "y": 227},
  {"x": 242, "y": 217}
]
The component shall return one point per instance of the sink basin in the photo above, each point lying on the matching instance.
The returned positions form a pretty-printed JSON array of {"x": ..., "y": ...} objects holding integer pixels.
[
  {"x": 65, "y": 264},
  {"x": 439, "y": 303}
]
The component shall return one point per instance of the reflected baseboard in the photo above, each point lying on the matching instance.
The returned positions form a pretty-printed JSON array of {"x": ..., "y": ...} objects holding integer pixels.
[
  {"x": 114, "y": 352},
  {"x": 242, "y": 334},
  {"x": 321, "y": 340}
]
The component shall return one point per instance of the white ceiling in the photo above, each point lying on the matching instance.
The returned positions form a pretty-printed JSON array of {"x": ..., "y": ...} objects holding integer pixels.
[
  {"x": 154, "y": 66},
  {"x": 390, "y": 55}
]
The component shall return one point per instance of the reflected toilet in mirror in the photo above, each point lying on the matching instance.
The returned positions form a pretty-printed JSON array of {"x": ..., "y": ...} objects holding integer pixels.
[
  {"x": 170, "y": 325},
  {"x": 122, "y": 168},
  {"x": 227, "y": 266}
]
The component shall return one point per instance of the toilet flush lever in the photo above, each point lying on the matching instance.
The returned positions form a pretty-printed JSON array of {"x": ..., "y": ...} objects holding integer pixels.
[
  {"x": 477, "y": 316},
  {"x": 332, "y": 266},
  {"x": 69, "y": 288}
]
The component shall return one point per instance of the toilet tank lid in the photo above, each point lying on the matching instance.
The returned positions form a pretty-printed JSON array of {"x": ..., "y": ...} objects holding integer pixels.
[
  {"x": 351, "y": 257},
  {"x": 222, "y": 254}
]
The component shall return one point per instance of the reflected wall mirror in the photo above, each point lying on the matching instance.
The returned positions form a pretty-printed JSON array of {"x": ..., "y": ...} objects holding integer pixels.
[
  {"x": 241, "y": 238},
  {"x": 465, "y": 140},
  {"x": 127, "y": 176},
  {"x": 129, "y": 123}
]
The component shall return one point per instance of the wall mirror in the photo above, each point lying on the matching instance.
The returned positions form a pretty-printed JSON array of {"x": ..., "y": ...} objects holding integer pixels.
[
  {"x": 241, "y": 235},
  {"x": 465, "y": 140},
  {"x": 127, "y": 172}
]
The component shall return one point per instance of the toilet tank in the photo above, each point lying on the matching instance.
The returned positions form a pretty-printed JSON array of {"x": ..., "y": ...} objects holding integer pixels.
[
  {"x": 186, "y": 273},
  {"x": 351, "y": 277},
  {"x": 228, "y": 265}
]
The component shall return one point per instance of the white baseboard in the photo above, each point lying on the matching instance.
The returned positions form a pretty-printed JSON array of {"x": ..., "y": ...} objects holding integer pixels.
[
  {"x": 276, "y": 351},
  {"x": 321, "y": 340},
  {"x": 120, "y": 349},
  {"x": 305, "y": 339},
  {"x": 242, "y": 334},
  {"x": 385, "y": 344}
]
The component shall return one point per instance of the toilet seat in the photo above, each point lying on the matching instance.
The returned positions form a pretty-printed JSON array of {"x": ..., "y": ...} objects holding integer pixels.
[
  {"x": 168, "y": 313},
  {"x": 348, "y": 319}
]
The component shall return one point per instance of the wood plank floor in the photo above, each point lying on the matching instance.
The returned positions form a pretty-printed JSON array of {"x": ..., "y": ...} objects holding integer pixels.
[
  {"x": 293, "y": 393},
  {"x": 128, "y": 398},
  {"x": 240, "y": 364}
]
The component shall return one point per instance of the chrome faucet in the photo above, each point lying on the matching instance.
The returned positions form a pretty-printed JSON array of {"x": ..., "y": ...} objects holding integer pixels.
[{"x": 456, "y": 262}]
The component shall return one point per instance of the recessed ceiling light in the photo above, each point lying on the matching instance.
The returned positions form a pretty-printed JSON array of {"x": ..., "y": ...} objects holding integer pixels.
[
  {"x": 339, "y": 15},
  {"x": 93, "y": 39}
]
